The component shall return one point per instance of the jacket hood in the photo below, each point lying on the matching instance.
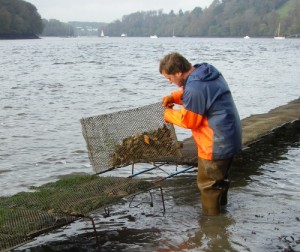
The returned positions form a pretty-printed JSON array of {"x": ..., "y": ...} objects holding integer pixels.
[{"x": 205, "y": 72}]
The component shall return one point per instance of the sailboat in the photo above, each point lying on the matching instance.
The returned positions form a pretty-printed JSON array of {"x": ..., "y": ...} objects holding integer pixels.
[
  {"x": 173, "y": 36},
  {"x": 102, "y": 34},
  {"x": 278, "y": 33}
]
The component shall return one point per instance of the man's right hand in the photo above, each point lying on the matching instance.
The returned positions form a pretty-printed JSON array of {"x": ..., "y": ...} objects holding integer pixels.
[{"x": 168, "y": 101}]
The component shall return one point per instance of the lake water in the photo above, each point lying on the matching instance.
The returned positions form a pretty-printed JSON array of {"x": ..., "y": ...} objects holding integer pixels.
[{"x": 48, "y": 85}]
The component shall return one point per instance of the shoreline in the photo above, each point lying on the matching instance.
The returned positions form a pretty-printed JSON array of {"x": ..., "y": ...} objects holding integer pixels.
[{"x": 18, "y": 36}]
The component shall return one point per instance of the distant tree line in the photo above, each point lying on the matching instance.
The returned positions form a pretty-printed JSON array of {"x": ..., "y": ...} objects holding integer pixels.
[
  {"x": 55, "y": 28},
  {"x": 223, "y": 18},
  {"x": 19, "y": 19}
]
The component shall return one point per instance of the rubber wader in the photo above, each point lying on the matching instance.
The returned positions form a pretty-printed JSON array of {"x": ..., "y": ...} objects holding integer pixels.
[{"x": 213, "y": 183}]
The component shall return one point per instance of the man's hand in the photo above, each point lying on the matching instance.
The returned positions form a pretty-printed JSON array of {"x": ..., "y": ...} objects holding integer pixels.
[{"x": 168, "y": 101}]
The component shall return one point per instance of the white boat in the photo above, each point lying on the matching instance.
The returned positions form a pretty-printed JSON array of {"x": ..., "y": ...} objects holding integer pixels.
[
  {"x": 246, "y": 37},
  {"x": 123, "y": 35},
  {"x": 173, "y": 36},
  {"x": 278, "y": 33},
  {"x": 153, "y": 36},
  {"x": 102, "y": 34}
]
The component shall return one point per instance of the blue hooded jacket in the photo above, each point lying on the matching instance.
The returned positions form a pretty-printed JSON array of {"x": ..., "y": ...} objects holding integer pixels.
[{"x": 209, "y": 111}]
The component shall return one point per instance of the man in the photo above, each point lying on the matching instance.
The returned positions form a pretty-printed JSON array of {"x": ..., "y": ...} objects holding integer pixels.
[{"x": 209, "y": 111}]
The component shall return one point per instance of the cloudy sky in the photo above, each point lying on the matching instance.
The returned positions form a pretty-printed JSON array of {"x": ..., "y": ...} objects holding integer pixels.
[{"x": 108, "y": 10}]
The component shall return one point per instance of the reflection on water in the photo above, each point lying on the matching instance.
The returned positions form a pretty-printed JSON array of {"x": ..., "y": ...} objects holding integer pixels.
[
  {"x": 262, "y": 214},
  {"x": 213, "y": 234}
]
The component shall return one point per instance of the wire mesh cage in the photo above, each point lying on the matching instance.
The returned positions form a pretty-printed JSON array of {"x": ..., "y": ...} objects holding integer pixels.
[
  {"x": 26, "y": 215},
  {"x": 113, "y": 140},
  {"x": 127, "y": 137}
]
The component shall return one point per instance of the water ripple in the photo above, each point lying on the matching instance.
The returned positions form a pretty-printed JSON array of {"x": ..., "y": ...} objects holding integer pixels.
[{"x": 48, "y": 85}]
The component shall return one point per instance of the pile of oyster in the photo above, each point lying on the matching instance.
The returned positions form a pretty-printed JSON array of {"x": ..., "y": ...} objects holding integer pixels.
[{"x": 145, "y": 147}]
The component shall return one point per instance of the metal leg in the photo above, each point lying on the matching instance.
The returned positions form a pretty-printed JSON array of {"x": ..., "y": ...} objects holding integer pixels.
[
  {"x": 162, "y": 198},
  {"x": 151, "y": 197},
  {"x": 94, "y": 227},
  {"x": 106, "y": 212}
]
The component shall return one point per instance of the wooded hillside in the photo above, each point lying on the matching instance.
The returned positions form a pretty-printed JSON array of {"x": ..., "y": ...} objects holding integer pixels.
[
  {"x": 224, "y": 18},
  {"x": 19, "y": 19}
]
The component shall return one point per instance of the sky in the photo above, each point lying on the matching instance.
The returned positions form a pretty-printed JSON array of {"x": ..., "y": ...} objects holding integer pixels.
[{"x": 108, "y": 10}]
